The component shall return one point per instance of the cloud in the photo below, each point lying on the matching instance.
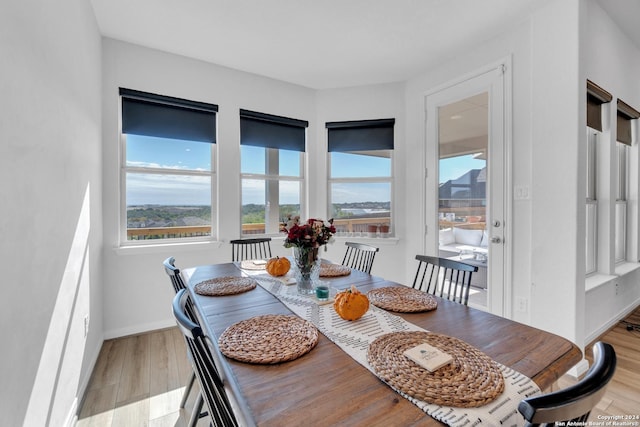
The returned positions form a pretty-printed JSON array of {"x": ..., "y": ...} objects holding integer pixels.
[
  {"x": 254, "y": 192},
  {"x": 168, "y": 189},
  {"x": 360, "y": 192},
  {"x": 152, "y": 165}
]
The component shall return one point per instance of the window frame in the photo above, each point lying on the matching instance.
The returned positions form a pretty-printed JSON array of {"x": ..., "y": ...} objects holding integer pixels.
[
  {"x": 591, "y": 202},
  {"x": 270, "y": 177},
  {"x": 272, "y": 133},
  {"x": 124, "y": 169},
  {"x": 364, "y": 180},
  {"x": 625, "y": 115},
  {"x": 596, "y": 98},
  {"x": 361, "y": 136},
  {"x": 621, "y": 213}
]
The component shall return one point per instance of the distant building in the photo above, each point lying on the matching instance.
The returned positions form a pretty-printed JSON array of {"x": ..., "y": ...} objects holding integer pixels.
[{"x": 466, "y": 191}]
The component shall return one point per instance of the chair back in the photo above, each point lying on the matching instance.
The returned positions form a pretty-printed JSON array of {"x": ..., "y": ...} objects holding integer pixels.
[
  {"x": 174, "y": 274},
  {"x": 178, "y": 284},
  {"x": 444, "y": 277},
  {"x": 359, "y": 256},
  {"x": 244, "y": 249},
  {"x": 576, "y": 402},
  {"x": 211, "y": 382}
]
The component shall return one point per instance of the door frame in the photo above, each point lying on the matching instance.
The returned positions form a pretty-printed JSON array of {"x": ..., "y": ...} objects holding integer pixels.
[{"x": 496, "y": 79}]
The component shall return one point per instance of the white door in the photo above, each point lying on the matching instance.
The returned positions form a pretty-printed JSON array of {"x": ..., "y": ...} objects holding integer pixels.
[{"x": 466, "y": 181}]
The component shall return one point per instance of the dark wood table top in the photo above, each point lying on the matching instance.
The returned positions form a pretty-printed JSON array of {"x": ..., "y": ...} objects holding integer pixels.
[{"x": 327, "y": 387}]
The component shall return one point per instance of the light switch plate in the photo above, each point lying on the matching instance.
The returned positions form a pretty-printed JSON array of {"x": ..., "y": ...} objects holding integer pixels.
[{"x": 521, "y": 192}]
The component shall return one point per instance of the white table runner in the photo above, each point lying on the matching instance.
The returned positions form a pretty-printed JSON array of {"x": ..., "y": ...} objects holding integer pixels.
[{"x": 354, "y": 338}]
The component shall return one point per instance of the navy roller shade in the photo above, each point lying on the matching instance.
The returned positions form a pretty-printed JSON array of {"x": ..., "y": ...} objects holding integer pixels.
[
  {"x": 167, "y": 117},
  {"x": 626, "y": 113},
  {"x": 596, "y": 96},
  {"x": 361, "y": 135},
  {"x": 269, "y": 131}
]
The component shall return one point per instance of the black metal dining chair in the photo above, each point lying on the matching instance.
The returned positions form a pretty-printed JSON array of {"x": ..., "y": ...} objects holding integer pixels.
[
  {"x": 573, "y": 403},
  {"x": 178, "y": 284},
  {"x": 444, "y": 277},
  {"x": 359, "y": 256},
  {"x": 209, "y": 376},
  {"x": 174, "y": 274},
  {"x": 245, "y": 249}
]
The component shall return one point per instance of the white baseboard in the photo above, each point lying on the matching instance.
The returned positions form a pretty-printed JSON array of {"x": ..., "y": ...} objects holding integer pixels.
[
  {"x": 612, "y": 322},
  {"x": 72, "y": 416},
  {"x": 138, "y": 329},
  {"x": 579, "y": 369}
]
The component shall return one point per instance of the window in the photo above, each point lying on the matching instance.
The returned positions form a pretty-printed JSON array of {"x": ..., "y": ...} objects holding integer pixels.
[
  {"x": 624, "y": 139},
  {"x": 622, "y": 178},
  {"x": 167, "y": 174},
  {"x": 361, "y": 176},
  {"x": 591, "y": 243},
  {"x": 596, "y": 96},
  {"x": 272, "y": 170}
]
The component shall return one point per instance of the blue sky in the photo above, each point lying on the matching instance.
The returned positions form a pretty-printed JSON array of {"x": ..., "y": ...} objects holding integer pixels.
[
  {"x": 455, "y": 167},
  {"x": 188, "y": 155}
]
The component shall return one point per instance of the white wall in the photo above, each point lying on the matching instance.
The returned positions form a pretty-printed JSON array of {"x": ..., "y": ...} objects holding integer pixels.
[
  {"x": 137, "y": 291},
  {"x": 136, "y": 288},
  {"x": 516, "y": 45},
  {"x": 53, "y": 152},
  {"x": 613, "y": 62},
  {"x": 50, "y": 169},
  {"x": 543, "y": 143},
  {"x": 558, "y": 218},
  {"x": 365, "y": 103}
]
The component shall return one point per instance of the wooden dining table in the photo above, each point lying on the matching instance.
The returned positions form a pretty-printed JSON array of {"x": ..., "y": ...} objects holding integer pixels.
[{"x": 327, "y": 387}]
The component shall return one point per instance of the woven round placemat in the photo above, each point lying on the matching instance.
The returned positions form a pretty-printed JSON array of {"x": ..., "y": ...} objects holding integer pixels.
[
  {"x": 402, "y": 299},
  {"x": 268, "y": 339},
  {"x": 472, "y": 379},
  {"x": 225, "y": 286},
  {"x": 334, "y": 270},
  {"x": 251, "y": 264}
]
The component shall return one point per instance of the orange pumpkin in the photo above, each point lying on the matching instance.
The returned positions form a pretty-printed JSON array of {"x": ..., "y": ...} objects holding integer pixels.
[
  {"x": 351, "y": 304},
  {"x": 278, "y": 266}
]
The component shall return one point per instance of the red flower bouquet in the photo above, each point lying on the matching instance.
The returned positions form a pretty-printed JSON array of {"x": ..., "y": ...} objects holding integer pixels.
[{"x": 312, "y": 234}]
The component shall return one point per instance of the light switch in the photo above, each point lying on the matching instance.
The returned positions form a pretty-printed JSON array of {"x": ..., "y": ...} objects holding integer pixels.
[{"x": 521, "y": 192}]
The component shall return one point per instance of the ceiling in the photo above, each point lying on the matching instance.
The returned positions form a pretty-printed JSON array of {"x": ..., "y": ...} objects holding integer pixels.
[
  {"x": 334, "y": 43},
  {"x": 463, "y": 127},
  {"x": 329, "y": 43},
  {"x": 626, "y": 14},
  {"x": 316, "y": 44}
]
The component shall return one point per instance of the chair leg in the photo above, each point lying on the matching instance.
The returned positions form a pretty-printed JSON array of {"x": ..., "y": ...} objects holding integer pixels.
[
  {"x": 196, "y": 413},
  {"x": 187, "y": 390}
]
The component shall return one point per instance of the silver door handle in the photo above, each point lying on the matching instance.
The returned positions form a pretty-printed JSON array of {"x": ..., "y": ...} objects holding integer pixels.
[{"x": 496, "y": 240}]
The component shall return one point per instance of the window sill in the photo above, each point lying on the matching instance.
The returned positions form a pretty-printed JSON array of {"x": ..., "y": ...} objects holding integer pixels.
[
  {"x": 596, "y": 280},
  {"x": 174, "y": 247},
  {"x": 382, "y": 241},
  {"x": 375, "y": 241},
  {"x": 626, "y": 268}
]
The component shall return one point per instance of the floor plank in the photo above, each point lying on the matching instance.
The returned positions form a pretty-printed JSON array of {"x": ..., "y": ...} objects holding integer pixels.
[
  {"x": 623, "y": 392},
  {"x": 134, "y": 380},
  {"x": 108, "y": 367},
  {"x": 139, "y": 381}
]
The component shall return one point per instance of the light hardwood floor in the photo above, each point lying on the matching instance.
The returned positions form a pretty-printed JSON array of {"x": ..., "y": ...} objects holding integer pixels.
[
  {"x": 623, "y": 393},
  {"x": 139, "y": 380}
]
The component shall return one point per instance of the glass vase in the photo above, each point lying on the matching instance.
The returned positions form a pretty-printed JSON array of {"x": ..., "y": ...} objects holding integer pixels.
[{"x": 307, "y": 269}]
